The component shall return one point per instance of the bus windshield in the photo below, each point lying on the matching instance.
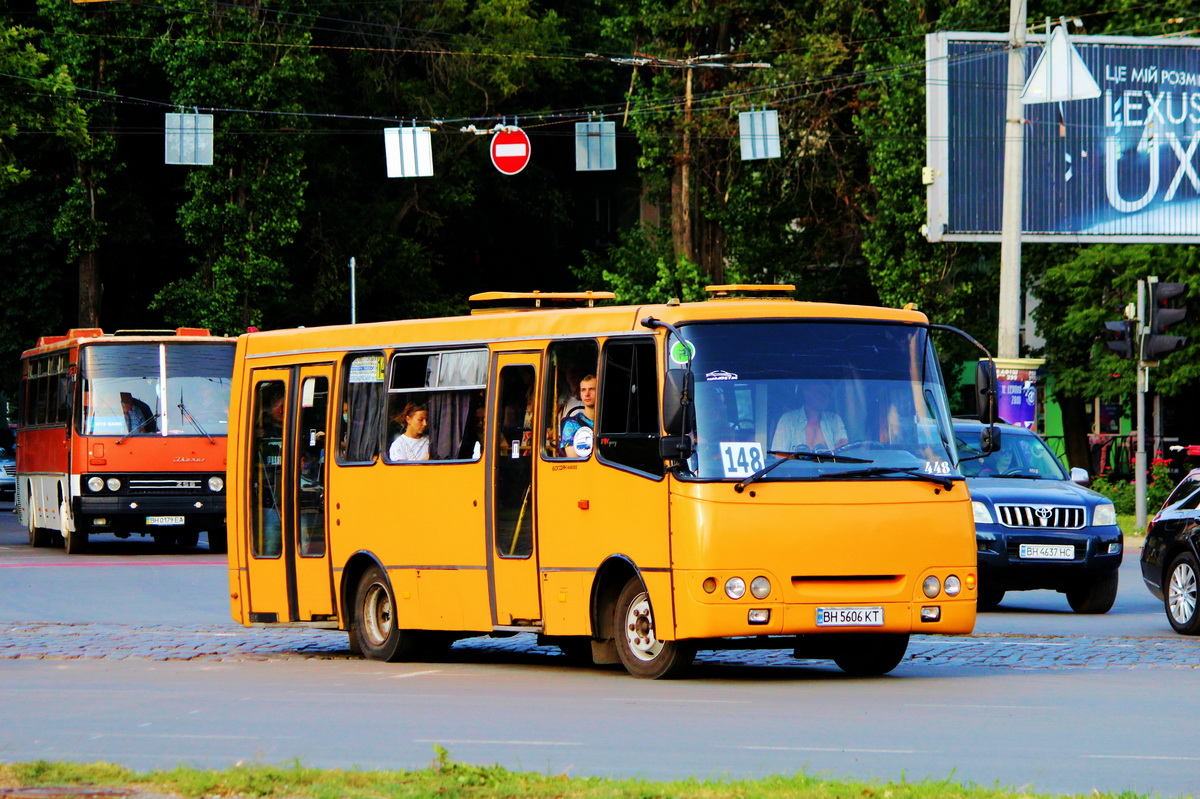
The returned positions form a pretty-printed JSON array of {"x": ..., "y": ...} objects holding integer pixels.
[
  {"x": 832, "y": 398},
  {"x": 168, "y": 389}
]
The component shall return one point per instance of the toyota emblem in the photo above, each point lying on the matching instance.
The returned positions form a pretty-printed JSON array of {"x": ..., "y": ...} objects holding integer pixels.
[{"x": 1043, "y": 513}]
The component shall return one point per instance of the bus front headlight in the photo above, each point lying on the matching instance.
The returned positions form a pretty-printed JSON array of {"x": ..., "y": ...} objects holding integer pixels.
[
  {"x": 760, "y": 587},
  {"x": 735, "y": 588},
  {"x": 215, "y": 483},
  {"x": 95, "y": 483},
  {"x": 931, "y": 586},
  {"x": 113, "y": 483}
]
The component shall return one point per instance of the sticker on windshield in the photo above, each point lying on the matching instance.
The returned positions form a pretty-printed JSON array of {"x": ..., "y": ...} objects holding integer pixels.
[
  {"x": 741, "y": 458},
  {"x": 681, "y": 353},
  {"x": 720, "y": 374},
  {"x": 940, "y": 468}
]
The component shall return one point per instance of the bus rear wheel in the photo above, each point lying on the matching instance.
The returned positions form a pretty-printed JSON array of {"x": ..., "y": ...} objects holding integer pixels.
[
  {"x": 375, "y": 624},
  {"x": 638, "y": 646},
  {"x": 871, "y": 654}
]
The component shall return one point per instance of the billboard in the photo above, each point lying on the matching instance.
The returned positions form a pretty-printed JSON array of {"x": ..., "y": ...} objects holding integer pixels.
[{"x": 1122, "y": 167}]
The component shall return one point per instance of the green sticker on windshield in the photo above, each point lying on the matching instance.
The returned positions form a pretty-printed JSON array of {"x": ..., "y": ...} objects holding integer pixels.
[{"x": 682, "y": 352}]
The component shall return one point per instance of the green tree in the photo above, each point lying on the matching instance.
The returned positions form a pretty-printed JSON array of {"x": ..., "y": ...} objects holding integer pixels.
[{"x": 252, "y": 58}]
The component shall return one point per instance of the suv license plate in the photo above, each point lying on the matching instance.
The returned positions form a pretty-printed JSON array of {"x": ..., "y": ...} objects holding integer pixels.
[
  {"x": 164, "y": 520},
  {"x": 849, "y": 617},
  {"x": 1048, "y": 551}
]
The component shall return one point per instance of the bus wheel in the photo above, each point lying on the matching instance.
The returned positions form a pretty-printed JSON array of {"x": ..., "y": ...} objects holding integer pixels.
[
  {"x": 641, "y": 652},
  {"x": 75, "y": 541},
  {"x": 379, "y": 636},
  {"x": 38, "y": 536},
  {"x": 218, "y": 541},
  {"x": 871, "y": 654}
]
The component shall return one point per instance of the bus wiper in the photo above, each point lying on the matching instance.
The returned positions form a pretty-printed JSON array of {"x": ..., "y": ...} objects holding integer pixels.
[
  {"x": 943, "y": 481},
  {"x": 798, "y": 455},
  {"x": 188, "y": 415},
  {"x": 137, "y": 429}
]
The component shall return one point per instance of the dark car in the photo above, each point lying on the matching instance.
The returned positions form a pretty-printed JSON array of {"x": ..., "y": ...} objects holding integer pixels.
[
  {"x": 8, "y": 475},
  {"x": 1171, "y": 554},
  {"x": 1035, "y": 526}
]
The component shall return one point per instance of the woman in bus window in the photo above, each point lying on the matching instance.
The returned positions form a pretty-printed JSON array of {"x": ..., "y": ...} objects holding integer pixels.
[{"x": 412, "y": 444}]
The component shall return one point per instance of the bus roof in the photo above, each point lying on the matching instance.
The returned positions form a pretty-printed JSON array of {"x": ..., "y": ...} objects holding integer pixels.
[
  {"x": 540, "y": 323},
  {"x": 78, "y": 335}
]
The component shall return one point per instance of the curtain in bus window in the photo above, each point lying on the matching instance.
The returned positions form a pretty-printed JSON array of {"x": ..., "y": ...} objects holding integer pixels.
[
  {"x": 463, "y": 368},
  {"x": 363, "y": 409},
  {"x": 450, "y": 418},
  {"x": 197, "y": 388},
  {"x": 121, "y": 389}
]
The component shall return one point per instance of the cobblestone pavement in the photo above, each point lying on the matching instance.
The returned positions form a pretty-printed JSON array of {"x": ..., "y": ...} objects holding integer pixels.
[{"x": 166, "y": 643}]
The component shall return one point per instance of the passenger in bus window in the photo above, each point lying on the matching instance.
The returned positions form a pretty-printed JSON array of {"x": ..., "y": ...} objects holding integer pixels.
[
  {"x": 579, "y": 427},
  {"x": 138, "y": 416},
  {"x": 811, "y": 427},
  {"x": 412, "y": 444}
]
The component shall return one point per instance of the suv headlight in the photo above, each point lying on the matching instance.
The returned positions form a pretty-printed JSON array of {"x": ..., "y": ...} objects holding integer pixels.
[
  {"x": 982, "y": 514},
  {"x": 1104, "y": 514}
]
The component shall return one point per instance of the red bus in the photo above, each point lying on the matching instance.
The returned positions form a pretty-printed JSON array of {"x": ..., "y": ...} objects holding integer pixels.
[{"x": 124, "y": 434}]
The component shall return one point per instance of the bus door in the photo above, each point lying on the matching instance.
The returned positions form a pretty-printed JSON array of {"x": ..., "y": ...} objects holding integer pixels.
[
  {"x": 289, "y": 566},
  {"x": 512, "y": 521}
]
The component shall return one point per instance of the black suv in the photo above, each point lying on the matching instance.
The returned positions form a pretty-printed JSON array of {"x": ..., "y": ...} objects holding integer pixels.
[
  {"x": 1035, "y": 527},
  {"x": 1171, "y": 554}
]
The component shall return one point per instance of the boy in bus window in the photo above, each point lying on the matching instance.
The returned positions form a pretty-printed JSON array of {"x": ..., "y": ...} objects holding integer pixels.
[{"x": 579, "y": 427}]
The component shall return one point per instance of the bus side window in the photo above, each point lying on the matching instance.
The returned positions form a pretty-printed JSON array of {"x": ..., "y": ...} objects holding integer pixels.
[
  {"x": 363, "y": 397},
  {"x": 568, "y": 362},
  {"x": 628, "y": 424}
]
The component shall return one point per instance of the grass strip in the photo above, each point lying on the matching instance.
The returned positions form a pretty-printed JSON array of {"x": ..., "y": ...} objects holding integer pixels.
[{"x": 446, "y": 778}]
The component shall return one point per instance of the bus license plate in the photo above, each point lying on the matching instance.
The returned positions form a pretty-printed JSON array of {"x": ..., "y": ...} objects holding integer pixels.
[
  {"x": 849, "y": 617},
  {"x": 164, "y": 520},
  {"x": 1048, "y": 551}
]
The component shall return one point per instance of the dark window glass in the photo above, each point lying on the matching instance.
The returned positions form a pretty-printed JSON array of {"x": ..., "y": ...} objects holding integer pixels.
[{"x": 629, "y": 427}]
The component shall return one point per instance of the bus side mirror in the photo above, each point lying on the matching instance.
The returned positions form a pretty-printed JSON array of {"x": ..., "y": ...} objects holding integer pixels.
[
  {"x": 986, "y": 391},
  {"x": 676, "y": 400},
  {"x": 989, "y": 439},
  {"x": 675, "y": 448}
]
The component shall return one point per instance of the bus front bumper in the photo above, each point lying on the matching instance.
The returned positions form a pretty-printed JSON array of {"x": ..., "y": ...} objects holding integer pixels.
[{"x": 156, "y": 513}]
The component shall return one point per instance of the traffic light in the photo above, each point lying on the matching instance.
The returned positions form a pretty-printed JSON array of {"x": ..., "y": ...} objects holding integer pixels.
[
  {"x": 1155, "y": 343},
  {"x": 1122, "y": 342}
]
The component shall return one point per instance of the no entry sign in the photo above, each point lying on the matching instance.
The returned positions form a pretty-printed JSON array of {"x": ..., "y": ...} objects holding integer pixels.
[{"x": 510, "y": 150}]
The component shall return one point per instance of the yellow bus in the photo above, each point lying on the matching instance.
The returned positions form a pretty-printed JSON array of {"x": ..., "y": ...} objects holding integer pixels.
[{"x": 631, "y": 484}]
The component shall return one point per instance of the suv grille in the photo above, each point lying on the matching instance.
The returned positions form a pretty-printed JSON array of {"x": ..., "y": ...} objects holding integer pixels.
[{"x": 1041, "y": 517}]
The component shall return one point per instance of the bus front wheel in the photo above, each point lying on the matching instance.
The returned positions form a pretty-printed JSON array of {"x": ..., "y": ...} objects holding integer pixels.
[
  {"x": 75, "y": 541},
  {"x": 871, "y": 654},
  {"x": 638, "y": 646},
  {"x": 375, "y": 624}
]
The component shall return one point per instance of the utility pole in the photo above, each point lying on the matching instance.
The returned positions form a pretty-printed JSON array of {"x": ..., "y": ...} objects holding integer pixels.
[
  {"x": 1009, "y": 343},
  {"x": 353, "y": 299},
  {"x": 1143, "y": 385}
]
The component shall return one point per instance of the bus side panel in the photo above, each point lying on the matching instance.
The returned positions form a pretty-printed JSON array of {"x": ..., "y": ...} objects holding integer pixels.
[
  {"x": 236, "y": 507},
  {"x": 589, "y": 512},
  {"x": 425, "y": 523},
  {"x": 43, "y": 459}
]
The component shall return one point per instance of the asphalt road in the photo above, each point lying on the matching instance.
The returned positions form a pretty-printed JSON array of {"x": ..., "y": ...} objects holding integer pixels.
[{"x": 132, "y": 658}]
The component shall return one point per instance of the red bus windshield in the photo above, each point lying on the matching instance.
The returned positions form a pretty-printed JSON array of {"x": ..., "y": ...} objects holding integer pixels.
[{"x": 166, "y": 389}]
